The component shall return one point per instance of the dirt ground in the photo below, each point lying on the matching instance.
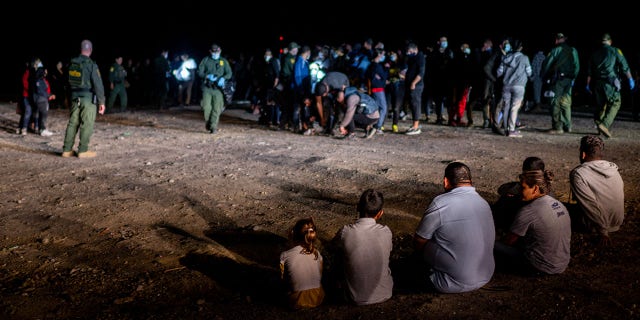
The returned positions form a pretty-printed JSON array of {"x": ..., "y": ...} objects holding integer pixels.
[{"x": 169, "y": 222}]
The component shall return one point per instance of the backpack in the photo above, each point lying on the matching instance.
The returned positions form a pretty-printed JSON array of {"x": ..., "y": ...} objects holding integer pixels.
[
  {"x": 78, "y": 79},
  {"x": 228, "y": 91},
  {"x": 367, "y": 103}
]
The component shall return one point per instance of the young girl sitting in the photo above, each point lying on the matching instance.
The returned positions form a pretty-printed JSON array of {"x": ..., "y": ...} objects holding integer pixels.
[{"x": 301, "y": 267}]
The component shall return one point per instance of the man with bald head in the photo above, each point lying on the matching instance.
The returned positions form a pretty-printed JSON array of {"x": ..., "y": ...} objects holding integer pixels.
[{"x": 86, "y": 88}]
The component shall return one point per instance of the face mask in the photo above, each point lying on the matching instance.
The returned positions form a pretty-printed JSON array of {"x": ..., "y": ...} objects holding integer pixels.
[
  {"x": 39, "y": 64},
  {"x": 393, "y": 57},
  {"x": 267, "y": 58},
  {"x": 382, "y": 59},
  {"x": 335, "y": 55},
  {"x": 507, "y": 48},
  {"x": 215, "y": 55},
  {"x": 466, "y": 51},
  {"x": 320, "y": 56},
  {"x": 444, "y": 44}
]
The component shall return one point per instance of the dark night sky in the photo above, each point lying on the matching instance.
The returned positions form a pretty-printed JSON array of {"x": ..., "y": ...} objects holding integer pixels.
[{"x": 53, "y": 31}]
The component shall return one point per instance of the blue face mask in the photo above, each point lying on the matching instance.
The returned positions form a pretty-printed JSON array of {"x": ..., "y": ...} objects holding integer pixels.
[
  {"x": 444, "y": 44},
  {"x": 507, "y": 48},
  {"x": 215, "y": 55},
  {"x": 382, "y": 59},
  {"x": 393, "y": 57},
  {"x": 466, "y": 51},
  {"x": 335, "y": 55}
]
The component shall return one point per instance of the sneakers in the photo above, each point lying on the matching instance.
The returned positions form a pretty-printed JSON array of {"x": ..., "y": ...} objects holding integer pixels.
[
  {"x": 394, "y": 128},
  {"x": 87, "y": 154},
  {"x": 380, "y": 131},
  {"x": 371, "y": 131},
  {"x": 22, "y": 131},
  {"x": 413, "y": 131},
  {"x": 604, "y": 130},
  {"x": 46, "y": 133},
  {"x": 67, "y": 154},
  {"x": 514, "y": 134}
]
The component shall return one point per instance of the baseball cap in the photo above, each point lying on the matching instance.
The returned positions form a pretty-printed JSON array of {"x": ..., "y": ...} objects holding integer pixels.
[
  {"x": 215, "y": 47},
  {"x": 560, "y": 36},
  {"x": 606, "y": 37},
  {"x": 293, "y": 45}
]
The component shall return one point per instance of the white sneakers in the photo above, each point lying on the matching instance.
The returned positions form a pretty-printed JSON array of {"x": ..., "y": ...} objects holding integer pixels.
[
  {"x": 46, "y": 133},
  {"x": 413, "y": 131}
]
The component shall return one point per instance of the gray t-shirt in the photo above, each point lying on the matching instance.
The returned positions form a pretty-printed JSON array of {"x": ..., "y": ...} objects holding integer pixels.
[
  {"x": 367, "y": 246},
  {"x": 460, "y": 232},
  {"x": 546, "y": 227}
]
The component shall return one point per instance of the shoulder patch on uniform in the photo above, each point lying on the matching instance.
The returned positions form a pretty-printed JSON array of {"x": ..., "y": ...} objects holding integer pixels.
[{"x": 619, "y": 51}]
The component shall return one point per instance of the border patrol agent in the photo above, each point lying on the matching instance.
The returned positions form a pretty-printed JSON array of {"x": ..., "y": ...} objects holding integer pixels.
[
  {"x": 606, "y": 66},
  {"x": 562, "y": 65},
  {"x": 117, "y": 78},
  {"x": 214, "y": 70},
  {"x": 86, "y": 83}
]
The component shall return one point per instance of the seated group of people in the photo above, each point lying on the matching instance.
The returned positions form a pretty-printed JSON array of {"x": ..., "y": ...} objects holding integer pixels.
[{"x": 456, "y": 240}]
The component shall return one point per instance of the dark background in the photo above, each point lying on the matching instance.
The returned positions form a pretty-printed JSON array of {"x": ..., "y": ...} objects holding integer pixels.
[{"x": 53, "y": 31}]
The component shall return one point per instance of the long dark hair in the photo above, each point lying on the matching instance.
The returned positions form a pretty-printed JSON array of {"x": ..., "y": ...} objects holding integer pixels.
[{"x": 304, "y": 234}]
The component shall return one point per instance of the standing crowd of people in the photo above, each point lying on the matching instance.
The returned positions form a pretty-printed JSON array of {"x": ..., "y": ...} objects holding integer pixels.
[{"x": 302, "y": 88}]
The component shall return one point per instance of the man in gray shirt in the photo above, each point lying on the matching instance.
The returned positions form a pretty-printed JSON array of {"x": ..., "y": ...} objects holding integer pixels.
[
  {"x": 456, "y": 235},
  {"x": 366, "y": 246}
]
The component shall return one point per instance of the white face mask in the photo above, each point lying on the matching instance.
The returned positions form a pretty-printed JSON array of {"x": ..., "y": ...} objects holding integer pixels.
[
  {"x": 215, "y": 55},
  {"x": 267, "y": 58},
  {"x": 39, "y": 64},
  {"x": 467, "y": 51}
]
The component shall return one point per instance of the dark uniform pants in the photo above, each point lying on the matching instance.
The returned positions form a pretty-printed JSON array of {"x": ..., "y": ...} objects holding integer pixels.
[
  {"x": 212, "y": 104},
  {"x": 81, "y": 119},
  {"x": 607, "y": 102}
]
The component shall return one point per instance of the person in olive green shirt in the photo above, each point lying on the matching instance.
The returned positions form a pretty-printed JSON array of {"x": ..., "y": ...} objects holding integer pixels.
[
  {"x": 86, "y": 83},
  {"x": 215, "y": 71},
  {"x": 605, "y": 67},
  {"x": 117, "y": 78},
  {"x": 561, "y": 67}
]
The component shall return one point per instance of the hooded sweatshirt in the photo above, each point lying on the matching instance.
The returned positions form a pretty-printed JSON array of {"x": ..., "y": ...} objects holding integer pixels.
[
  {"x": 516, "y": 69},
  {"x": 599, "y": 190}
]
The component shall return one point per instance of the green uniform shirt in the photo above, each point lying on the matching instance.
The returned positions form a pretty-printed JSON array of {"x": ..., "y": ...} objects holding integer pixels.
[
  {"x": 97, "y": 86},
  {"x": 117, "y": 74},
  {"x": 607, "y": 62},
  {"x": 562, "y": 61},
  {"x": 218, "y": 67}
]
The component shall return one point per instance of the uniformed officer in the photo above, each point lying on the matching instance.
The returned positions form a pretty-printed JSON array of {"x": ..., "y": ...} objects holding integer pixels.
[
  {"x": 561, "y": 66},
  {"x": 117, "y": 77},
  {"x": 605, "y": 67},
  {"x": 86, "y": 83},
  {"x": 215, "y": 71}
]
